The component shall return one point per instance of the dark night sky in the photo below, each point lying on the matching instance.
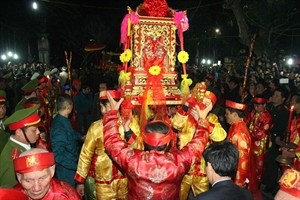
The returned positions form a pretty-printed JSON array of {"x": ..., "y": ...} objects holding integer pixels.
[{"x": 20, "y": 24}]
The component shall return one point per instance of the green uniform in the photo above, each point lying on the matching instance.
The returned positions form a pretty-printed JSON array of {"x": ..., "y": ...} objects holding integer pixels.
[
  {"x": 20, "y": 105},
  {"x": 3, "y": 139},
  {"x": 7, "y": 172}
]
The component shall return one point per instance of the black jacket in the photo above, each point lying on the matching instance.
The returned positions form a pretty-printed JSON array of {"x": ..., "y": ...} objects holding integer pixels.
[{"x": 225, "y": 190}]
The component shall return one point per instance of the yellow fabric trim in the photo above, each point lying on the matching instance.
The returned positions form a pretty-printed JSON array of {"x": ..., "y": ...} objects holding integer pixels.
[{"x": 32, "y": 123}]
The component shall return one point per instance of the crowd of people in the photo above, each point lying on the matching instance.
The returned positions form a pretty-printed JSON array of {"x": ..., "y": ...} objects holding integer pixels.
[{"x": 62, "y": 138}]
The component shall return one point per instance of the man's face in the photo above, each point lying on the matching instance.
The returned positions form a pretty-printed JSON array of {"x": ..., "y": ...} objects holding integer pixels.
[
  {"x": 86, "y": 90},
  {"x": 32, "y": 134},
  {"x": 37, "y": 183},
  {"x": 277, "y": 98},
  {"x": 2, "y": 111},
  {"x": 259, "y": 107},
  {"x": 228, "y": 116},
  {"x": 259, "y": 89},
  {"x": 102, "y": 87}
]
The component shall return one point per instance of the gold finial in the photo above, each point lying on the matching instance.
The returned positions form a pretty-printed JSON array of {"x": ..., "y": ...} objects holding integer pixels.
[
  {"x": 129, "y": 9},
  {"x": 199, "y": 90}
]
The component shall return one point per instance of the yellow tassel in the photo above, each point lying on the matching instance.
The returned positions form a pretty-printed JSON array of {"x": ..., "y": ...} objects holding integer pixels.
[
  {"x": 184, "y": 86},
  {"x": 123, "y": 78}
]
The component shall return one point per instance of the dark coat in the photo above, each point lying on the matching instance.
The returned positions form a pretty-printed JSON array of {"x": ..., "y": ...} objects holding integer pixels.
[
  {"x": 64, "y": 143},
  {"x": 225, "y": 190}
]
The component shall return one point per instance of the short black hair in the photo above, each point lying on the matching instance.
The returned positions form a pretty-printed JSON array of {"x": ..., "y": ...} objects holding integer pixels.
[
  {"x": 156, "y": 127},
  {"x": 223, "y": 157},
  {"x": 296, "y": 98},
  {"x": 240, "y": 113},
  {"x": 284, "y": 92},
  {"x": 234, "y": 80},
  {"x": 63, "y": 101}
]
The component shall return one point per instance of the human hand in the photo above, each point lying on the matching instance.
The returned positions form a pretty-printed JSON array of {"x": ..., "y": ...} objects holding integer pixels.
[
  {"x": 287, "y": 153},
  {"x": 203, "y": 112},
  {"x": 195, "y": 113},
  {"x": 114, "y": 105}
]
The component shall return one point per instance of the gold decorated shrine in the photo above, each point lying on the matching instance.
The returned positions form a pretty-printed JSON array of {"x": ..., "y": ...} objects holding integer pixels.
[{"x": 153, "y": 43}]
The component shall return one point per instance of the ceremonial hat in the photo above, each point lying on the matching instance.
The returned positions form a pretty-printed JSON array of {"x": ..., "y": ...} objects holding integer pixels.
[
  {"x": 34, "y": 76},
  {"x": 53, "y": 71},
  {"x": 34, "y": 162},
  {"x": 290, "y": 182},
  {"x": 23, "y": 117},
  {"x": 212, "y": 96},
  {"x": 76, "y": 82},
  {"x": 116, "y": 94},
  {"x": 12, "y": 194},
  {"x": 47, "y": 73},
  {"x": 30, "y": 86},
  {"x": 2, "y": 96},
  {"x": 42, "y": 79},
  {"x": 235, "y": 105},
  {"x": 158, "y": 139},
  {"x": 259, "y": 100}
]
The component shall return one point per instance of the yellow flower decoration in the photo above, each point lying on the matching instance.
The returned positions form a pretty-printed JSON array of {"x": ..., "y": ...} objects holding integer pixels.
[
  {"x": 126, "y": 56},
  {"x": 183, "y": 56},
  {"x": 155, "y": 70},
  {"x": 124, "y": 77},
  {"x": 122, "y": 57}
]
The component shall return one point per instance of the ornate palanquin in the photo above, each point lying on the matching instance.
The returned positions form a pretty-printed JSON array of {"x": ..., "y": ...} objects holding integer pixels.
[
  {"x": 153, "y": 43},
  {"x": 148, "y": 35}
]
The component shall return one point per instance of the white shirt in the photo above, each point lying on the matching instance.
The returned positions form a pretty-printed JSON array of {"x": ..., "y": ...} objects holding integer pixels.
[
  {"x": 26, "y": 146},
  {"x": 225, "y": 179}
]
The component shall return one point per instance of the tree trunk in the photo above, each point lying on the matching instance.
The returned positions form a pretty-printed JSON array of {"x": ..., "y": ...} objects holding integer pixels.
[{"x": 235, "y": 6}]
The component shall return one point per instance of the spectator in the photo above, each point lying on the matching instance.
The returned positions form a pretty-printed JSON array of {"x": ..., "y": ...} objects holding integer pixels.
[
  {"x": 96, "y": 115},
  {"x": 233, "y": 85},
  {"x": 76, "y": 87},
  {"x": 83, "y": 105},
  {"x": 67, "y": 89},
  {"x": 64, "y": 141},
  {"x": 279, "y": 112},
  {"x": 261, "y": 88},
  {"x": 221, "y": 165}
]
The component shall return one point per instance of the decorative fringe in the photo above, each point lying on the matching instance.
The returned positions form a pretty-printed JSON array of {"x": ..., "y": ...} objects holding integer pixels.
[{"x": 184, "y": 86}]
